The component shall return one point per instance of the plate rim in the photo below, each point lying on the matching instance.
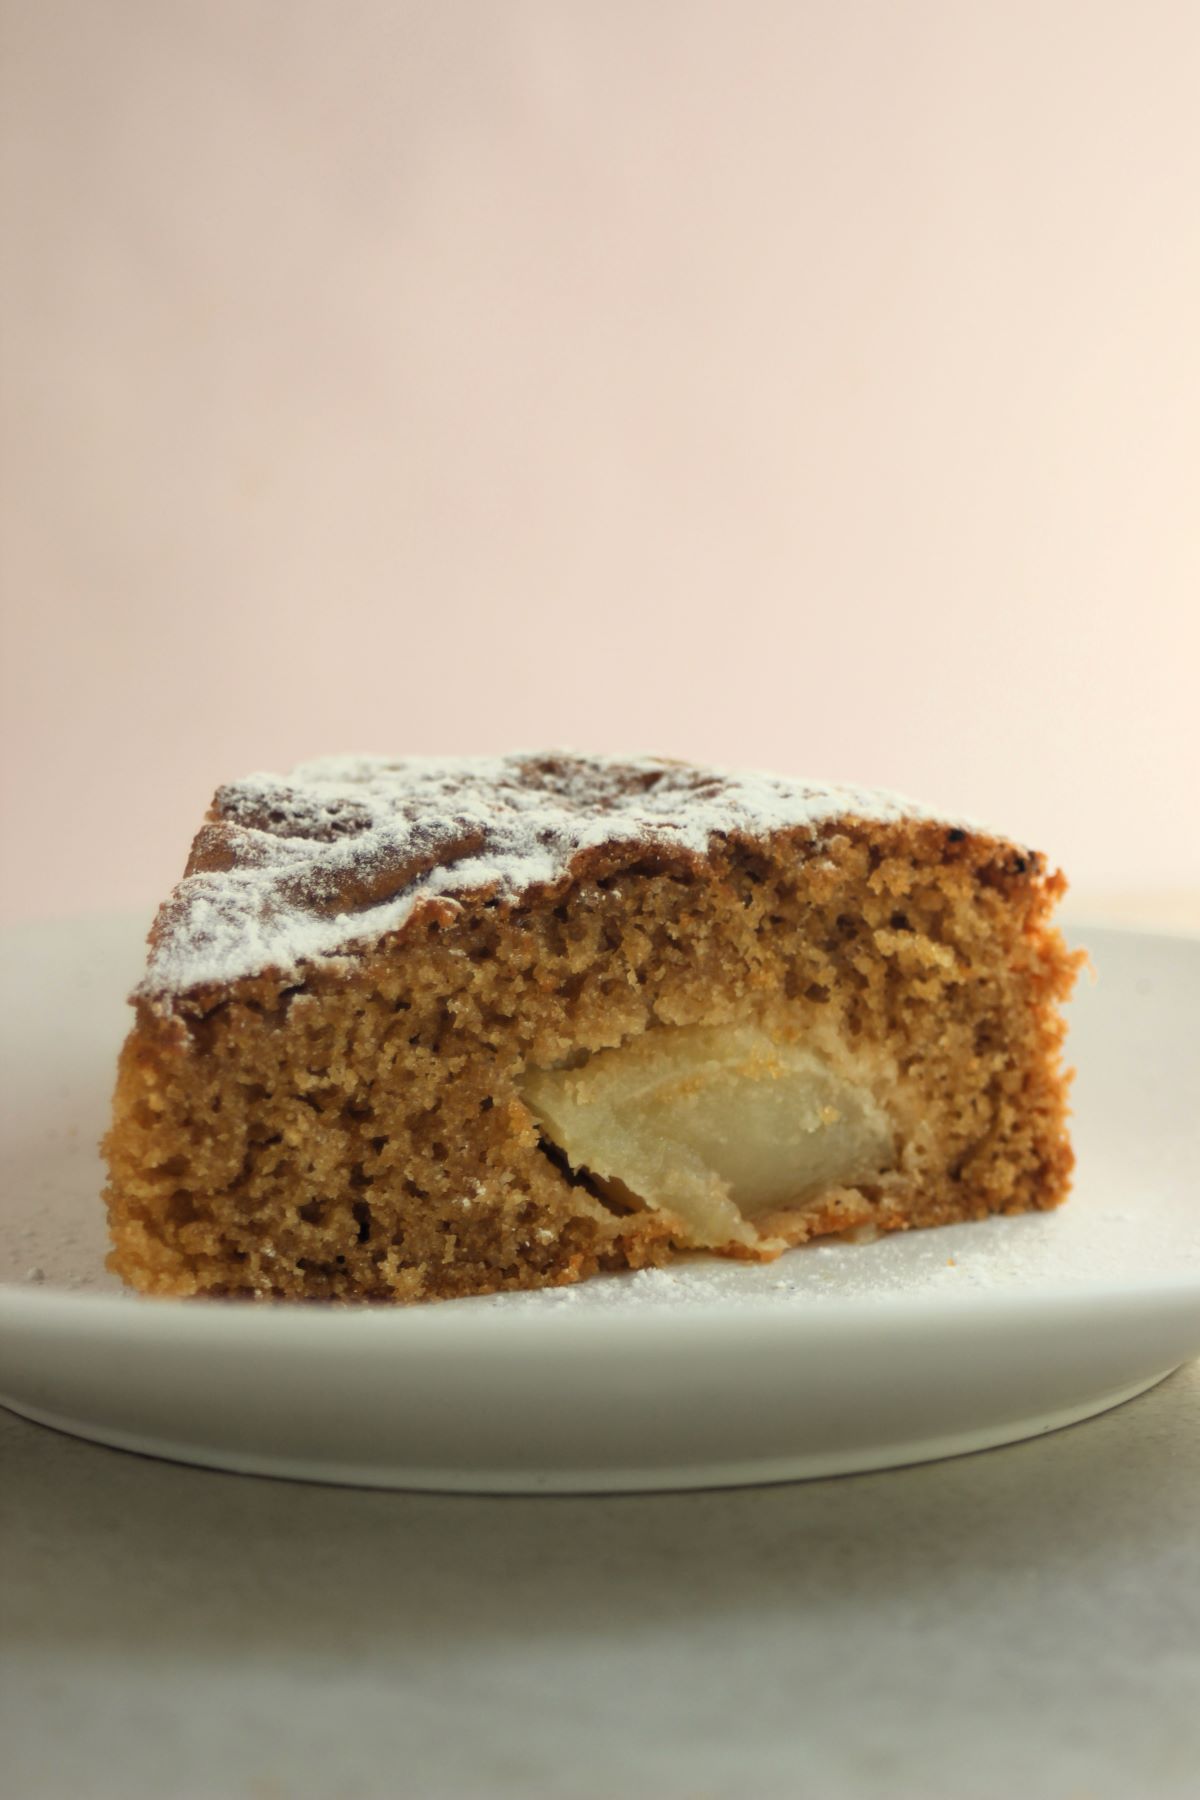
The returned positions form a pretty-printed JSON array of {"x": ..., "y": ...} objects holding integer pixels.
[{"x": 132, "y": 1314}]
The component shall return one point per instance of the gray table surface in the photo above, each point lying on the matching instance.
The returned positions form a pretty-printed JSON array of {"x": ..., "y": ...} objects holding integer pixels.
[{"x": 1023, "y": 1622}]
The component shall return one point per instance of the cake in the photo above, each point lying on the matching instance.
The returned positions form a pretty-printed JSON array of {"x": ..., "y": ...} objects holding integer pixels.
[{"x": 420, "y": 1028}]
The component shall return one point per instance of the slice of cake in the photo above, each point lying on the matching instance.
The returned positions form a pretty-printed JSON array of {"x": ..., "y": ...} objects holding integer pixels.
[{"x": 422, "y": 1028}]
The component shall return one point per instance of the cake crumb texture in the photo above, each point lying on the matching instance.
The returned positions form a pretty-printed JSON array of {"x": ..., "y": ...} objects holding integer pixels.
[{"x": 321, "y": 1096}]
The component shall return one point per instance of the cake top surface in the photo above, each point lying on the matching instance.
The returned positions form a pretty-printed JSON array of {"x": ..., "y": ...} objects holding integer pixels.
[{"x": 291, "y": 870}]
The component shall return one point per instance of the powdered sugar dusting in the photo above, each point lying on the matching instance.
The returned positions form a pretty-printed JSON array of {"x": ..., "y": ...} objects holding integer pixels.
[
  {"x": 1088, "y": 1244},
  {"x": 292, "y": 870}
]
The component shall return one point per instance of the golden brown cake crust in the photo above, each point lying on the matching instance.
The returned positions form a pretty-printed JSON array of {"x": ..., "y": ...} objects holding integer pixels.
[
  {"x": 349, "y": 1123},
  {"x": 291, "y": 871}
]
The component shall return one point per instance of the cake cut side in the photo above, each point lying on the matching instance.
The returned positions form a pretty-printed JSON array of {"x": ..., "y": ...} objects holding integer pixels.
[{"x": 413, "y": 1030}]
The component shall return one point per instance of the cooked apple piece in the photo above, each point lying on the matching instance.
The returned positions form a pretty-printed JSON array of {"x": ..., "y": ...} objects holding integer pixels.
[{"x": 719, "y": 1126}]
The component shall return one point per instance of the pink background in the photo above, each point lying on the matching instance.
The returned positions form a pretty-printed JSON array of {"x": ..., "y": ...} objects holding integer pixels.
[{"x": 810, "y": 386}]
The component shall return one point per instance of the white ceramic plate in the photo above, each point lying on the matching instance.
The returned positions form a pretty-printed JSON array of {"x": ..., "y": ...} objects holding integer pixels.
[{"x": 833, "y": 1359}]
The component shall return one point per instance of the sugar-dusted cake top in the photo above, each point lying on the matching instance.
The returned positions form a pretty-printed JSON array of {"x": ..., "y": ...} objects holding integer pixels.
[{"x": 293, "y": 869}]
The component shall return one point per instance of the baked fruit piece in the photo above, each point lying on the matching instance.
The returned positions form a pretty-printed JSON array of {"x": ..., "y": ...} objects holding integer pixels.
[{"x": 420, "y": 1028}]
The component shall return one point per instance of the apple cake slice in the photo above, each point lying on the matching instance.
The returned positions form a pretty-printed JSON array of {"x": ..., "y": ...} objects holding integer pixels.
[{"x": 420, "y": 1028}]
